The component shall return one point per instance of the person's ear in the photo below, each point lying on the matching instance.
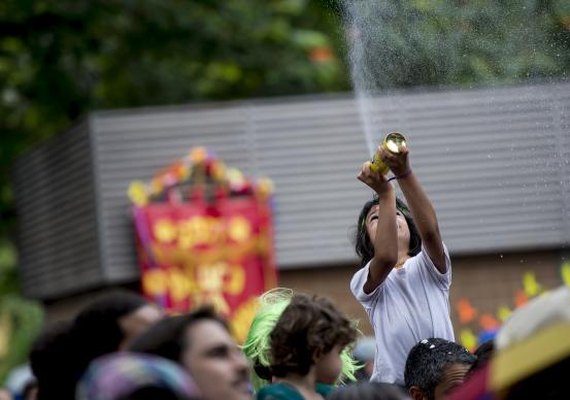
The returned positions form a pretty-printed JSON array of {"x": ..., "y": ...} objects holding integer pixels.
[
  {"x": 416, "y": 393},
  {"x": 317, "y": 355}
]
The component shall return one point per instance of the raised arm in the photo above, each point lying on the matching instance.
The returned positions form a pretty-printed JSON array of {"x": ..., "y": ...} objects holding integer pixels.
[
  {"x": 381, "y": 227},
  {"x": 420, "y": 206}
]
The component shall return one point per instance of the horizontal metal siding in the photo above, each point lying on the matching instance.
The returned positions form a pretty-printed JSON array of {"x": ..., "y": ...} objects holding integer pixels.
[
  {"x": 495, "y": 163},
  {"x": 491, "y": 150},
  {"x": 562, "y": 117},
  {"x": 312, "y": 150},
  {"x": 491, "y": 160},
  {"x": 488, "y": 159},
  {"x": 56, "y": 217},
  {"x": 130, "y": 147}
]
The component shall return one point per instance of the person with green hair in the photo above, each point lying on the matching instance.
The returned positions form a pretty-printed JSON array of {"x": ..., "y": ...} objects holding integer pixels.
[{"x": 290, "y": 335}]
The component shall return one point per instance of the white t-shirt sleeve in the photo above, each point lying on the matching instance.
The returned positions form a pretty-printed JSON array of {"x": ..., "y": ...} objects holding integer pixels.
[
  {"x": 442, "y": 280},
  {"x": 357, "y": 287}
]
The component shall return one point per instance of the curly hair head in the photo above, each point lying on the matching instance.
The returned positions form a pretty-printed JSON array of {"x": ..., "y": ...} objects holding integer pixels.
[
  {"x": 308, "y": 328},
  {"x": 257, "y": 344}
]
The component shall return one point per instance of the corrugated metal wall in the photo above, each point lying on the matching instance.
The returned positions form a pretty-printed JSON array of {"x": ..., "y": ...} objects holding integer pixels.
[
  {"x": 58, "y": 230},
  {"x": 494, "y": 162}
]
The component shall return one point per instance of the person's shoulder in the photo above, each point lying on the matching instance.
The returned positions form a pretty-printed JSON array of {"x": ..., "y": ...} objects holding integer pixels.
[
  {"x": 357, "y": 287},
  {"x": 423, "y": 258},
  {"x": 358, "y": 279},
  {"x": 424, "y": 269}
]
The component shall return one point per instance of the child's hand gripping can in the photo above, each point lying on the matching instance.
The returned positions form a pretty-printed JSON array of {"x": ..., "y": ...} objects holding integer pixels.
[{"x": 392, "y": 143}]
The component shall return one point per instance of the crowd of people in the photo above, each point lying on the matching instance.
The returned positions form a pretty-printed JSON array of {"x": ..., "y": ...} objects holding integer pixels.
[{"x": 302, "y": 347}]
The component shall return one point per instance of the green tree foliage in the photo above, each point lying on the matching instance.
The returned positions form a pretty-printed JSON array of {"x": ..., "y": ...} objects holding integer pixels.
[
  {"x": 459, "y": 43},
  {"x": 61, "y": 59},
  {"x": 20, "y": 319}
]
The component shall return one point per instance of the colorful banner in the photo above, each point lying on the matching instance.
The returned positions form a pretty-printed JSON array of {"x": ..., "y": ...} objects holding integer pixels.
[{"x": 214, "y": 250}]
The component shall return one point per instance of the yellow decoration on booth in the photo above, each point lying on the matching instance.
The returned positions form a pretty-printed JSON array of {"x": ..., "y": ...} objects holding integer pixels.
[
  {"x": 565, "y": 272},
  {"x": 165, "y": 231},
  {"x": 155, "y": 186},
  {"x": 503, "y": 313},
  {"x": 178, "y": 285},
  {"x": 218, "y": 171},
  {"x": 237, "y": 280},
  {"x": 137, "y": 193},
  {"x": 235, "y": 177},
  {"x": 199, "y": 230},
  {"x": 198, "y": 155},
  {"x": 210, "y": 279},
  {"x": 243, "y": 317},
  {"x": 468, "y": 339},
  {"x": 154, "y": 282},
  {"x": 530, "y": 284},
  {"x": 265, "y": 186},
  {"x": 239, "y": 229},
  {"x": 192, "y": 232}
]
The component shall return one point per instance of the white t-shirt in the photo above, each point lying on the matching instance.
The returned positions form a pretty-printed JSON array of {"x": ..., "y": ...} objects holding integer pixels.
[{"x": 410, "y": 305}]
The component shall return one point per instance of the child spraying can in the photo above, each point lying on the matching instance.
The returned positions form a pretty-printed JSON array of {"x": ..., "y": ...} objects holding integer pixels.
[{"x": 405, "y": 271}]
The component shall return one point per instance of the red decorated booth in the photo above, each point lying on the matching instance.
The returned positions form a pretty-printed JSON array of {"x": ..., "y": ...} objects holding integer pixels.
[{"x": 205, "y": 236}]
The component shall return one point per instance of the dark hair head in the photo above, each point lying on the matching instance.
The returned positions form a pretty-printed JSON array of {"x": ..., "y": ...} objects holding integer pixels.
[
  {"x": 98, "y": 327},
  {"x": 363, "y": 244},
  {"x": 73, "y": 345},
  {"x": 51, "y": 361},
  {"x": 167, "y": 338},
  {"x": 427, "y": 361},
  {"x": 369, "y": 391},
  {"x": 308, "y": 328}
]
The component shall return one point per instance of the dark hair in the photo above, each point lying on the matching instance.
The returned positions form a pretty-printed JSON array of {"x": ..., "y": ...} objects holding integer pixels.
[
  {"x": 51, "y": 363},
  {"x": 97, "y": 327},
  {"x": 167, "y": 338},
  {"x": 428, "y": 360},
  {"x": 549, "y": 383},
  {"x": 364, "y": 246},
  {"x": 483, "y": 354},
  {"x": 95, "y": 331},
  {"x": 369, "y": 391},
  {"x": 264, "y": 372},
  {"x": 307, "y": 328}
]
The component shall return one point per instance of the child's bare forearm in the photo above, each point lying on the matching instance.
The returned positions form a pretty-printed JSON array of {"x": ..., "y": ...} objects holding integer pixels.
[
  {"x": 425, "y": 218},
  {"x": 420, "y": 206},
  {"x": 386, "y": 239}
]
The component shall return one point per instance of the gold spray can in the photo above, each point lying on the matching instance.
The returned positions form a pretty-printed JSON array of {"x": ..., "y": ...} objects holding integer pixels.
[{"x": 392, "y": 143}]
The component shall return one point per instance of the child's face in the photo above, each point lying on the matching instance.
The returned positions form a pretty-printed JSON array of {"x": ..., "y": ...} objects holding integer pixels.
[
  {"x": 329, "y": 366},
  {"x": 402, "y": 224}
]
